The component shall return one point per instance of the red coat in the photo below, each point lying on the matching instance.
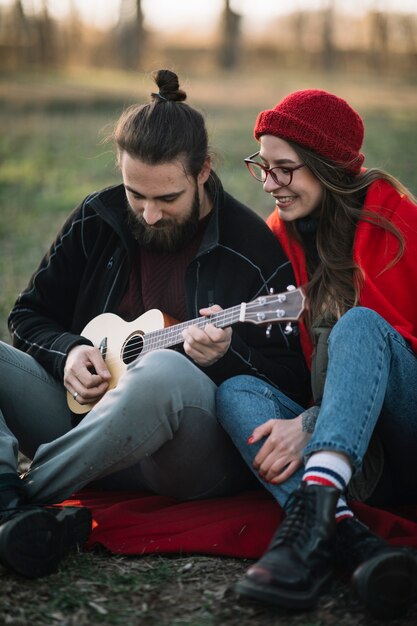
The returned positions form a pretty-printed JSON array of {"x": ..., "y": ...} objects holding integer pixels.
[{"x": 391, "y": 293}]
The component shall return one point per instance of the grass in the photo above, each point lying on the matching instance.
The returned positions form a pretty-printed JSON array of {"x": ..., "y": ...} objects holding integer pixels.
[
  {"x": 51, "y": 151},
  {"x": 186, "y": 590},
  {"x": 97, "y": 588},
  {"x": 51, "y": 156}
]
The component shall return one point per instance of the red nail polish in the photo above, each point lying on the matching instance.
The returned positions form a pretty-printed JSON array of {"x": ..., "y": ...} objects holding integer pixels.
[{"x": 251, "y": 439}]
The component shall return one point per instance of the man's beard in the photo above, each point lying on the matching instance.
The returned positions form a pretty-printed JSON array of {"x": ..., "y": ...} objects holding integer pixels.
[{"x": 166, "y": 235}]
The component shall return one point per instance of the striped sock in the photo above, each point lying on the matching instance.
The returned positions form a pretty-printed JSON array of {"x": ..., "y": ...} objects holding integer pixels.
[
  {"x": 342, "y": 510},
  {"x": 331, "y": 470}
]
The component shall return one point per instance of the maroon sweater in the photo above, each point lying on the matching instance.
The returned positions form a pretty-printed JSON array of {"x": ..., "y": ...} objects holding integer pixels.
[{"x": 159, "y": 283}]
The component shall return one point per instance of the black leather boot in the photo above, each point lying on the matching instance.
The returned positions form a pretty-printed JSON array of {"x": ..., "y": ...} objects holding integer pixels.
[
  {"x": 298, "y": 561},
  {"x": 384, "y": 577},
  {"x": 34, "y": 539}
]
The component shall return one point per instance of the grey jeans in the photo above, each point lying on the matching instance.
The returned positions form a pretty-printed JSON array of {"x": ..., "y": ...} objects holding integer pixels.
[{"x": 156, "y": 431}]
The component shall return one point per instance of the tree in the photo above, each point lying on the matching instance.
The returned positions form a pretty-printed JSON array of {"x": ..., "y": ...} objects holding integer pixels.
[
  {"x": 379, "y": 32},
  {"x": 130, "y": 34},
  {"x": 20, "y": 34},
  {"x": 328, "y": 47},
  {"x": 45, "y": 30},
  {"x": 229, "y": 51}
]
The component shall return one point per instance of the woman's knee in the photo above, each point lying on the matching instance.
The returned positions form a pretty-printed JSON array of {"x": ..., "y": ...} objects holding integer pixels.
[
  {"x": 358, "y": 321},
  {"x": 359, "y": 315}
]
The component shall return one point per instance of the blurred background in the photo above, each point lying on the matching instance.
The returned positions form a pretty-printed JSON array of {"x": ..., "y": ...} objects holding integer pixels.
[{"x": 69, "y": 67}]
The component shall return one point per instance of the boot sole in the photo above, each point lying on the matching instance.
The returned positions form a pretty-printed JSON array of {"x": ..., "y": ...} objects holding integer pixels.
[
  {"x": 281, "y": 597},
  {"x": 387, "y": 584}
]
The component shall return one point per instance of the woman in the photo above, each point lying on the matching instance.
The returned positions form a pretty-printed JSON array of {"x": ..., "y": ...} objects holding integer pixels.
[{"x": 351, "y": 235}]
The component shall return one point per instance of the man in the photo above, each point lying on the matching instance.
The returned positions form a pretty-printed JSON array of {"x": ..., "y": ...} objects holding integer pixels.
[{"x": 168, "y": 239}]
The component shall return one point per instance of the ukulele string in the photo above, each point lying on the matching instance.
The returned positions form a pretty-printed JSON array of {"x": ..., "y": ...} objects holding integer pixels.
[
  {"x": 172, "y": 335},
  {"x": 150, "y": 341}
]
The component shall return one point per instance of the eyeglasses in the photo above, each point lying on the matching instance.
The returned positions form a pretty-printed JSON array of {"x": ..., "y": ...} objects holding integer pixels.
[{"x": 282, "y": 176}]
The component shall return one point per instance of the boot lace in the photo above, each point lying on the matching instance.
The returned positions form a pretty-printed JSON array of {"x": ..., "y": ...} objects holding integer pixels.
[{"x": 300, "y": 506}]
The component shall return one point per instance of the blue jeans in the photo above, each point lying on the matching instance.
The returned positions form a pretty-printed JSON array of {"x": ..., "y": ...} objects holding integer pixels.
[{"x": 371, "y": 383}]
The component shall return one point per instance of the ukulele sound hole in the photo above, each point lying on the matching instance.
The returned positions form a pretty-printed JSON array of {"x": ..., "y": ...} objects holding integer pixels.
[{"x": 132, "y": 348}]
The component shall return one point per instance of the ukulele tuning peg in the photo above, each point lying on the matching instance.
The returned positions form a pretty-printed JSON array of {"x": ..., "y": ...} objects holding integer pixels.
[
  {"x": 291, "y": 288},
  {"x": 290, "y": 329},
  {"x": 268, "y": 331},
  {"x": 271, "y": 291}
]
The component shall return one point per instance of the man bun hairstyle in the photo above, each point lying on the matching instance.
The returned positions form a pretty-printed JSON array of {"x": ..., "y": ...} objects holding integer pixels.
[
  {"x": 169, "y": 87},
  {"x": 165, "y": 129}
]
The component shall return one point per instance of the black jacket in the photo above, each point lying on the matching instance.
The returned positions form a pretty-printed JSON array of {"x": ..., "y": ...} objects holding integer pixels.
[{"x": 86, "y": 270}]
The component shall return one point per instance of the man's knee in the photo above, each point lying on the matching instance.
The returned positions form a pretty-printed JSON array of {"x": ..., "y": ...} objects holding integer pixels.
[
  {"x": 163, "y": 366},
  {"x": 167, "y": 381}
]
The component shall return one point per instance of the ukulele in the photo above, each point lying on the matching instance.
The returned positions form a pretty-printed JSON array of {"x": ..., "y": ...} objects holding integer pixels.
[{"x": 121, "y": 343}]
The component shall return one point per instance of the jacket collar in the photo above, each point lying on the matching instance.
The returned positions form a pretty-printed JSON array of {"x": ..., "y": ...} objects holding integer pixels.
[{"x": 212, "y": 234}]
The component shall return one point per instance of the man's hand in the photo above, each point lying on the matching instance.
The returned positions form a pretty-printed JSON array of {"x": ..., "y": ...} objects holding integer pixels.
[
  {"x": 207, "y": 345},
  {"x": 86, "y": 374},
  {"x": 282, "y": 452}
]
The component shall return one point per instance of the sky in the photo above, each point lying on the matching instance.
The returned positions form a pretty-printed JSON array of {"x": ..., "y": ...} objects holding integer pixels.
[{"x": 169, "y": 15}]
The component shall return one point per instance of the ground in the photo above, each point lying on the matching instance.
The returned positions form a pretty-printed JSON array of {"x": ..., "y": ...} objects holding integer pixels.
[{"x": 100, "y": 588}]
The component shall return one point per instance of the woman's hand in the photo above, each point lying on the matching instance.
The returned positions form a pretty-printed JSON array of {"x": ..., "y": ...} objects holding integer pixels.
[{"x": 282, "y": 452}]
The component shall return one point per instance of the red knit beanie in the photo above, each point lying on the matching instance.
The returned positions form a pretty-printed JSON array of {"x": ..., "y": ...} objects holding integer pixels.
[{"x": 319, "y": 121}]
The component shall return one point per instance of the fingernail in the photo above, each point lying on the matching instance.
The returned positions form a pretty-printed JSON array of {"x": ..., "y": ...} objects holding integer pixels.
[{"x": 251, "y": 439}]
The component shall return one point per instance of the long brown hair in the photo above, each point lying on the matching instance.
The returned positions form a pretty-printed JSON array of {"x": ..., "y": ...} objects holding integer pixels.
[{"x": 334, "y": 284}]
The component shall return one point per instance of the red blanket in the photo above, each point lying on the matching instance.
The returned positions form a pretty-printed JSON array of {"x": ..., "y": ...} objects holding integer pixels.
[{"x": 238, "y": 526}]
